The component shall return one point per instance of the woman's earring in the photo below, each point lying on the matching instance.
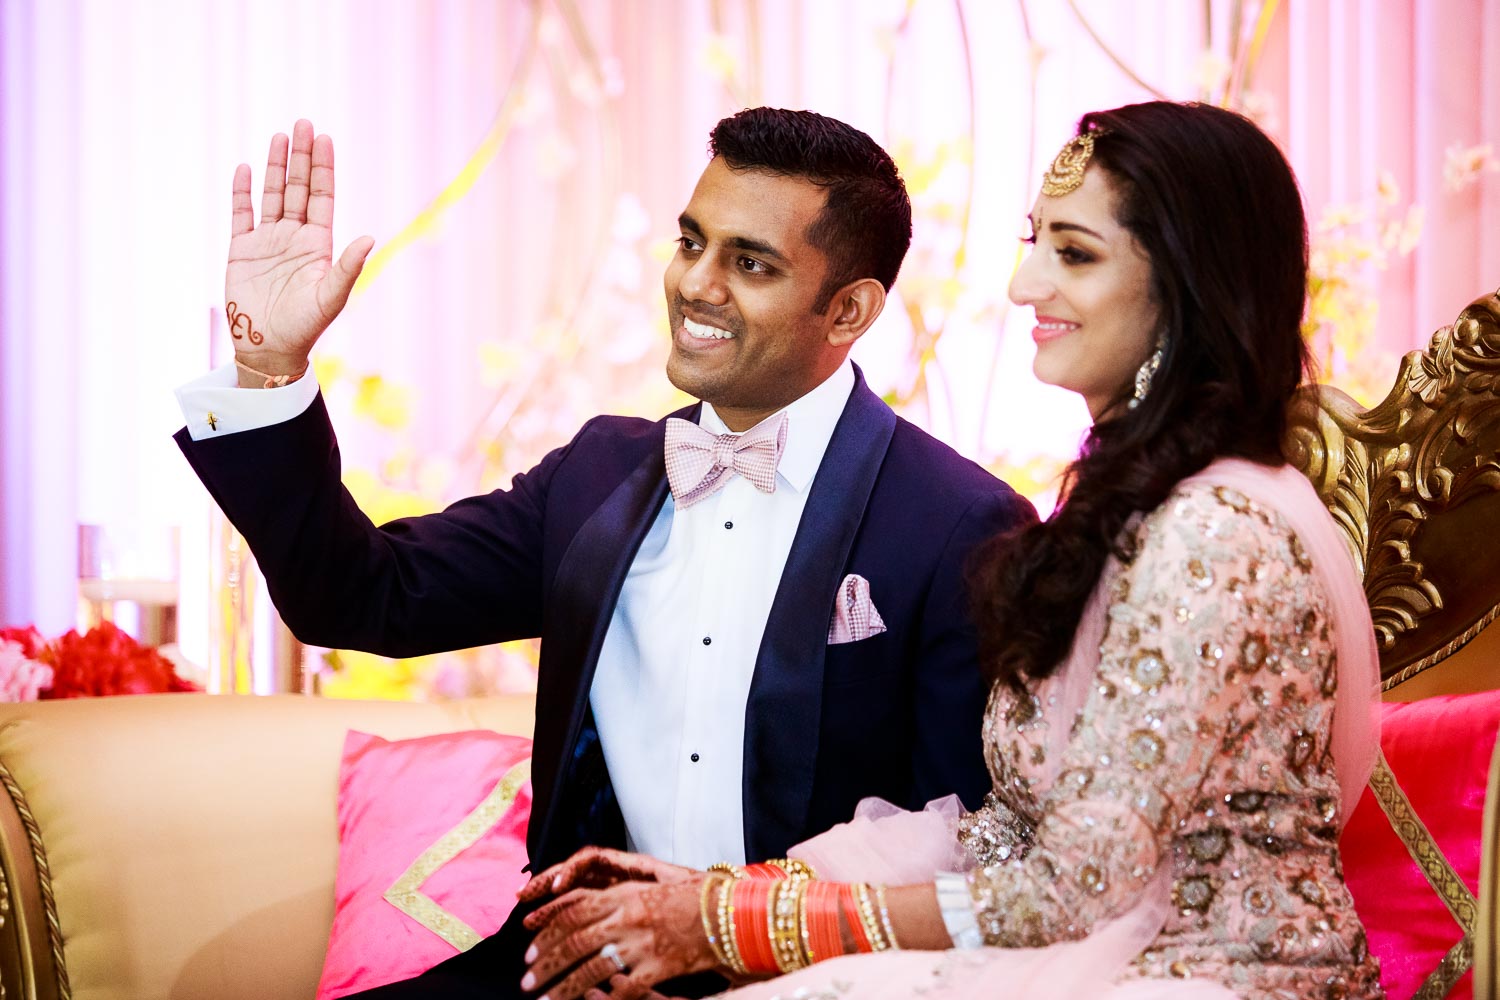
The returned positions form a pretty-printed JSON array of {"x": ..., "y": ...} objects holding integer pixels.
[{"x": 1145, "y": 373}]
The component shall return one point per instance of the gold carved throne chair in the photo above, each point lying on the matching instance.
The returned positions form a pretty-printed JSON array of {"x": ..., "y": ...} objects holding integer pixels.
[{"x": 1414, "y": 482}]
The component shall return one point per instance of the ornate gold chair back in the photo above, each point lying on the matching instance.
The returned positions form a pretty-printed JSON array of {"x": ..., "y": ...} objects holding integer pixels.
[{"x": 1415, "y": 484}]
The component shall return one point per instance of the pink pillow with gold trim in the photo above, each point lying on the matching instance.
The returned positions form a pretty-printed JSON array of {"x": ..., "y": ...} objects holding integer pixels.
[
  {"x": 1439, "y": 750},
  {"x": 432, "y": 840}
]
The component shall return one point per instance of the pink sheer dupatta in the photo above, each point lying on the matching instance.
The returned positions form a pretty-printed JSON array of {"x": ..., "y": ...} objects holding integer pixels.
[{"x": 887, "y": 844}]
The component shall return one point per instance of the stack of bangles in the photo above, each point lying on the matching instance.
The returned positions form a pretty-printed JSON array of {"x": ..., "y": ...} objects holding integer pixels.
[{"x": 777, "y": 917}]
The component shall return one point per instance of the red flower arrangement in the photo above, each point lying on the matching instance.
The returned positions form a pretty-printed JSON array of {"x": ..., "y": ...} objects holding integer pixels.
[{"x": 104, "y": 661}]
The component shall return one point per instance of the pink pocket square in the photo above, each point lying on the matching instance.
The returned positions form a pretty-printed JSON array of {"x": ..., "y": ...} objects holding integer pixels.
[{"x": 854, "y": 614}]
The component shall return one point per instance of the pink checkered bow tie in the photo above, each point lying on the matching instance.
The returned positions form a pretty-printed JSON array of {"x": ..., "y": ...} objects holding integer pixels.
[{"x": 700, "y": 463}]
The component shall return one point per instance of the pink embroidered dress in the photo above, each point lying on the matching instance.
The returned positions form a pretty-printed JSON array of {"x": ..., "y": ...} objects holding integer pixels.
[{"x": 1166, "y": 808}]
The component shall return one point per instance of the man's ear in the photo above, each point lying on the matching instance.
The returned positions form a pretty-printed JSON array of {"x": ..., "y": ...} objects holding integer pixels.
[{"x": 854, "y": 308}]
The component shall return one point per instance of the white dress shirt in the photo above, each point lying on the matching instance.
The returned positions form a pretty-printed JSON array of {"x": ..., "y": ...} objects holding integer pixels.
[
  {"x": 674, "y": 675},
  {"x": 673, "y": 678}
]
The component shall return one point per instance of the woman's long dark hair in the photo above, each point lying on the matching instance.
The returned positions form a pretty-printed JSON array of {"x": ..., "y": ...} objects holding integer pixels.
[{"x": 1215, "y": 207}]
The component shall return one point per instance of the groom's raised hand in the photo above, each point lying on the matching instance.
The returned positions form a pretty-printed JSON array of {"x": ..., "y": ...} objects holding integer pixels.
[{"x": 282, "y": 286}]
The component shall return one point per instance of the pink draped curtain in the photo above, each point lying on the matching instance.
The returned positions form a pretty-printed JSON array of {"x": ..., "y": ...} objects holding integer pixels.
[{"x": 521, "y": 165}]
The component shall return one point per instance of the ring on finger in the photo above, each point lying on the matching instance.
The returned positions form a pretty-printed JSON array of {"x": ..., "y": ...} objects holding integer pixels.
[{"x": 612, "y": 953}]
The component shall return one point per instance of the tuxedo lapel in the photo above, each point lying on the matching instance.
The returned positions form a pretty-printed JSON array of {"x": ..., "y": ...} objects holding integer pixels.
[
  {"x": 784, "y": 713},
  {"x": 579, "y": 608}
]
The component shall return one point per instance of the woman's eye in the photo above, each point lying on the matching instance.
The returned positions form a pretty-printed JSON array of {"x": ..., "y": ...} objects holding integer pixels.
[
  {"x": 1073, "y": 255},
  {"x": 1029, "y": 238}
]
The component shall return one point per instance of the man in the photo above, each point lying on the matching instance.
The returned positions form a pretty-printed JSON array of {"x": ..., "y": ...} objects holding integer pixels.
[{"x": 729, "y": 664}]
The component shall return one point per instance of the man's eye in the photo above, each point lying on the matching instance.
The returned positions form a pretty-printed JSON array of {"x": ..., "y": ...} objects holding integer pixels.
[
  {"x": 687, "y": 244},
  {"x": 753, "y": 266}
]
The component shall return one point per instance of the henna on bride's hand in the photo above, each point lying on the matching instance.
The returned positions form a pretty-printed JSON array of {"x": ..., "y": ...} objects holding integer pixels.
[
  {"x": 598, "y": 868},
  {"x": 237, "y": 320},
  {"x": 622, "y": 987},
  {"x": 557, "y": 909},
  {"x": 677, "y": 939},
  {"x": 655, "y": 927}
]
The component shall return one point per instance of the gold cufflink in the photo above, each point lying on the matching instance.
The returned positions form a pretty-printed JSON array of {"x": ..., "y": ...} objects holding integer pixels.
[{"x": 213, "y": 421}]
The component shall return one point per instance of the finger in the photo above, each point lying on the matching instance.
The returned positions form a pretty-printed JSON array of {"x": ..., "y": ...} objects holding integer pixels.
[
  {"x": 241, "y": 213},
  {"x": 320, "y": 194},
  {"x": 603, "y": 866},
  {"x": 596, "y": 970},
  {"x": 622, "y": 987},
  {"x": 554, "y": 912},
  {"x": 561, "y": 876},
  {"x": 298, "y": 172},
  {"x": 549, "y": 880},
  {"x": 553, "y": 961},
  {"x": 275, "y": 188},
  {"x": 334, "y": 290},
  {"x": 565, "y": 915}
]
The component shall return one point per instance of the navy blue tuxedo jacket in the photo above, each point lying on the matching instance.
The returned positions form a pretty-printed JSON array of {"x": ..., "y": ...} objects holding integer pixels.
[{"x": 896, "y": 715}]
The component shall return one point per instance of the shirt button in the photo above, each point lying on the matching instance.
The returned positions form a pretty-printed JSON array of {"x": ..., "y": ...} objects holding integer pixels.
[
  {"x": 694, "y": 758},
  {"x": 708, "y": 641},
  {"x": 728, "y": 525}
]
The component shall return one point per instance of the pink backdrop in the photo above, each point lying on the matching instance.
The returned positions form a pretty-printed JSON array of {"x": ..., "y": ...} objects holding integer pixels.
[{"x": 521, "y": 164}]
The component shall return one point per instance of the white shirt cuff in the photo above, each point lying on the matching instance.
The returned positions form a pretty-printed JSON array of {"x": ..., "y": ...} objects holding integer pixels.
[{"x": 215, "y": 405}]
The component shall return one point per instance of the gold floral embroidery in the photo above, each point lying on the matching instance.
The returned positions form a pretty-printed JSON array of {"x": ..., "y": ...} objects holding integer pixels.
[{"x": 1202, "y": 748}]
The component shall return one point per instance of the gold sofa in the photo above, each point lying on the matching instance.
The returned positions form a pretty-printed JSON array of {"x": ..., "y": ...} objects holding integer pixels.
[{"x": 182, "y": 846}]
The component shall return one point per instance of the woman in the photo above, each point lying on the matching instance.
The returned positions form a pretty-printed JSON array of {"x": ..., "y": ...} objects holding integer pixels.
[{"x": 1184, "y": 672}]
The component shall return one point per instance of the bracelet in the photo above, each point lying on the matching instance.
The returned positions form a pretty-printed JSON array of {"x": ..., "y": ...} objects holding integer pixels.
[
  {"x": 885, "y": 919},
  {"x": 272, "y": 381},
  {"x": 793, "y": 868},
  {"x": 869, "y": 919},
  {"x": 771, "y": 870},
  {"x": 957, "y": 906},
  {"x": 732, "y": 959},
  {"x": 752, "y": 927},
  {"x": 711, "y": 928},
  {"x": 850, "y": 907},
  {"x": 820, "y": 920},
  {"x": 785, "y": 921}
]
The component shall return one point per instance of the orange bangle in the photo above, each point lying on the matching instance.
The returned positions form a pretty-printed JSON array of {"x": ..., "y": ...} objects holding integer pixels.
[
  {"x": 821, "y": 906},
  {"x": 850, "y": 908},
  {"x": 752, "y": 934}
]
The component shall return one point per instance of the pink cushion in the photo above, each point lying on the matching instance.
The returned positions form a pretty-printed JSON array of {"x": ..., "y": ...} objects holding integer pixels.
[
  {"x": 438, "y": 825},
  {"x": 1439, "y": 750}
]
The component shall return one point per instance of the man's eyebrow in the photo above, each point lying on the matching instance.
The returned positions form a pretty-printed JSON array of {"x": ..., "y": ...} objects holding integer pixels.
[{"x": 758, "y": 247}]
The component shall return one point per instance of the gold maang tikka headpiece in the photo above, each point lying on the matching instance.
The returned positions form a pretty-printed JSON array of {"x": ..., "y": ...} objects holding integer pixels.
[{"x": 1066, "y": 172}]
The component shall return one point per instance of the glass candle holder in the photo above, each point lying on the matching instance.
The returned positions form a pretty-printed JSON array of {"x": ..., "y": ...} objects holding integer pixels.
[{"x": 127, "y": 574}]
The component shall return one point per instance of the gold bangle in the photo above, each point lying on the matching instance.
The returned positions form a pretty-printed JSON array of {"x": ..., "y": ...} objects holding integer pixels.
[
  {"x": 803, "y": 936},
  {"x": 733, "y": 960},
  {"x": 786, "y": 943},
  {"x": 710, "y": 920},
  {"x": 885, "y": 919},
  {"x": 868, "y": 918},
  {"x": 794, "y": 869},
  {"x": 725, "y": 868}
]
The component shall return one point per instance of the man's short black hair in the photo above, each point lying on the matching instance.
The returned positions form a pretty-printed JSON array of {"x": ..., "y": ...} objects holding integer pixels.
[{"x": 865, "y": 227}]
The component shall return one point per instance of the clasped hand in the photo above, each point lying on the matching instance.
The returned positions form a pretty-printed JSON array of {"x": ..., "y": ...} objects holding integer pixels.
[{"x": 646, "y": 909}]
